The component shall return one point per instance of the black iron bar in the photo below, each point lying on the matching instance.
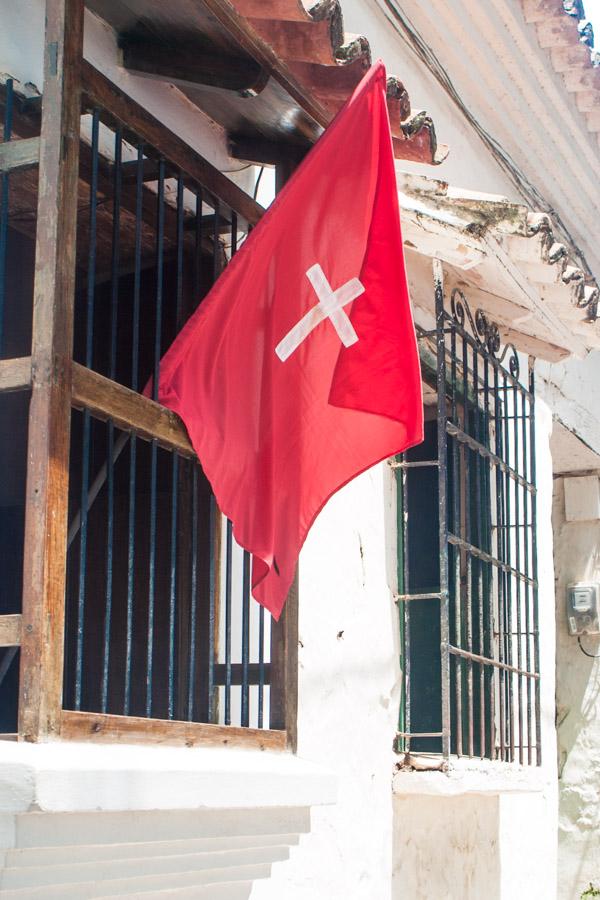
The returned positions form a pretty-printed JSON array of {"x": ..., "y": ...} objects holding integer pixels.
[
  {"x": 479, "y": 463},
  {"x": 4, "y": 204},
  {"x": 477, "y": 657},
  {"x": 489, "y": 571},
  {"x": 261, "y": 665},
  {"x": 454, "y": 555},
  {"x": 245, "y": 704},
  {"x": 487, "y": 557},
  {"x": 500, "y": 554},
  {"x": 130, "y": 572},
  {"x": 509, "y": 571},
  {"x": 526, "y": 567},
  {"x": 496, "y": 364},
  {"x": 536, "y": 623},
  {"x": 196, "y": 280},
  {"x": 442, "y": 451},
  {"x": 406, "y": 610},
  {"x": 86, "y": 440},
  {"x": 228, "y": 578},
  {"x": 213, "y": 518},
  {"x": 160, "y": 258},
  {"x": 110, "y": 449},
  {"x": 193, "y": 596},
  {"x": 476, "y": 445},
  {"x": 401, "y": 531},
  {"x": 419, "y": 734},
  {"x": 418, "y": 464},
  {"x": 173, "y": 581},
  {"x": 151, "y": 576},
  {"x": 216, "y": 242},
  {"x": 467, "y": 592},
  {"x": 160, "y": 199},
  {"x": 175, "y": 465},
  {"x": 108, "y": 595},
  {"x": 135, "y": 351},
  {"x": 180, "y": 248},
  {"x": 517, "y": 539},
  {"x": 139, "y": 201}
]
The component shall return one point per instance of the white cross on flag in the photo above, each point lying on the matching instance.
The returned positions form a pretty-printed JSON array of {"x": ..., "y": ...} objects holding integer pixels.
[
  {"x": 330, "y": 306},
  {"x": 300, "y": 370}
]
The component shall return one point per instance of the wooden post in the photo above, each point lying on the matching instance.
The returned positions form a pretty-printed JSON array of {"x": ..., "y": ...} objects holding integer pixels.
[
  {"x": 284, "y": 669},
  {"x": 284, "y": 634},
  {"x": 50, "y": 409}
]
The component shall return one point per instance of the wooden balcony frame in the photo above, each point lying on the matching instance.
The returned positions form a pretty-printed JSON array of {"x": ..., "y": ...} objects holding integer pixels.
[{"x": 58, "y": 384}]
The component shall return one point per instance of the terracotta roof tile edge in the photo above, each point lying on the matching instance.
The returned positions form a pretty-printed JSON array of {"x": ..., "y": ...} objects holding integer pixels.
[{"x": 328, "y": 63}]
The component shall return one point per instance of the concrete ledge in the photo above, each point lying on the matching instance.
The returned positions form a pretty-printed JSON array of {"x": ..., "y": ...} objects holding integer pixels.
[
  {"x": 467, "y": 776},
  {"x": 71, "y": 777}
]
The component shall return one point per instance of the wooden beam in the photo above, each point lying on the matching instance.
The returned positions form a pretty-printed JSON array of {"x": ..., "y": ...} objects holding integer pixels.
[
  {"x": 15, "y": 374},
  {"x": 103, "y": 93},
  {"x": 248, "y": 38},
  {"x": 129, "y": 170},
  {"x": 44, "y": 570},
  {"x": 192, "y": 66},
  {"x": 10, "y": 631},
  {"x": 263, "y": 152},
  {"x": 108, "y": 729},
  {"x": 18, "y": 155},
  {"x": 106, "y": 399}
]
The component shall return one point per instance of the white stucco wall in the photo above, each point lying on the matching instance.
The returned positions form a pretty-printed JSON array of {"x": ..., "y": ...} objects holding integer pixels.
[
  {"x": 572, "y": 390},
  {"x": 469, "y": 164},
  {"x": 577, "y": 558},
  {"x": 348, "y": 697}
]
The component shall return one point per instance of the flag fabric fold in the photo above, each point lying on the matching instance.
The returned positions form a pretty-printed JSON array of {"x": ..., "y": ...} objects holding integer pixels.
[{"x": 300, "y": 369}]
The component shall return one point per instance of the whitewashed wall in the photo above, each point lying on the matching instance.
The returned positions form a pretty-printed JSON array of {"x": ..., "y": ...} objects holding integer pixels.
[
  {"x": 348, "y": 696},
  {"x": 577, "y": 558},
  {"x": 469, "y": 164}
]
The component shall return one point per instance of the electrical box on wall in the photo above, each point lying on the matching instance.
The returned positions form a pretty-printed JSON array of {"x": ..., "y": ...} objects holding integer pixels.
[{"x": 583, "y": 608}]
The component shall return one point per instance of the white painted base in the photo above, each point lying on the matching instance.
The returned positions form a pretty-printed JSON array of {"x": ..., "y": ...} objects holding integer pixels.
[
  {"x": 467, "y": 846},
  {"x": 73, "y": 777}
]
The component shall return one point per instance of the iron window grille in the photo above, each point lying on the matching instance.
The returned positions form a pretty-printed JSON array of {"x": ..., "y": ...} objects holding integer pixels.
[
  {"x": 467, "y": 586},
  {"x": 159, "y": 618}
]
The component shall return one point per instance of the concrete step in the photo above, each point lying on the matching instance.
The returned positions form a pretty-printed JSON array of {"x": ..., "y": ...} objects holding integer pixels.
[
  {"x": 41, "y": 829},
  {"x": 232, "y": 890},
  {"x": 106, "y": 870},
  {"x": 52, "y": 856},
  {"x": 212, "y": 880}
]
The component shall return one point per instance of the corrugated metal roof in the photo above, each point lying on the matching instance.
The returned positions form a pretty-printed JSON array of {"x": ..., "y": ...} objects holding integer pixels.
[{"x": 564, "y": 31}]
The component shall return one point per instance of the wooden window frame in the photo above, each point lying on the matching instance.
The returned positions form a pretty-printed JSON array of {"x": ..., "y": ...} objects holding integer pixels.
[{"x": 58, "y": 384}]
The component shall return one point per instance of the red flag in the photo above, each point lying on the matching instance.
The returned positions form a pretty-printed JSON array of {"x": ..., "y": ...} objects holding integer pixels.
[{"x": 300, "y": 369}]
